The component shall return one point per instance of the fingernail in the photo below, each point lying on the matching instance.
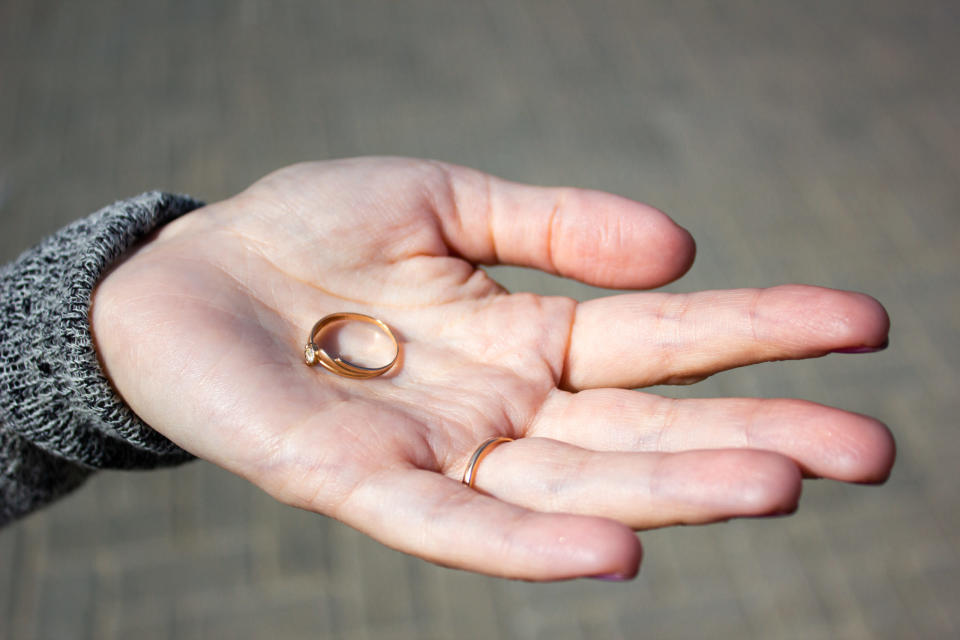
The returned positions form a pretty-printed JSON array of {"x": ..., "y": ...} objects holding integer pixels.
[
  {"x": 886, "y": 343},
  {"x": 609, "y": 577}
]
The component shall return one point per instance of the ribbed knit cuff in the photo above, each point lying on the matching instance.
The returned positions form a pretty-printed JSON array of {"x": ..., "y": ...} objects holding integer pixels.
[{"x": 53, "y": 393}]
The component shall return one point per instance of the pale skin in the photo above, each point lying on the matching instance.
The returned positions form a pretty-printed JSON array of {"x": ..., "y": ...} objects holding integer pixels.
[{"x": 201, "y": 331}]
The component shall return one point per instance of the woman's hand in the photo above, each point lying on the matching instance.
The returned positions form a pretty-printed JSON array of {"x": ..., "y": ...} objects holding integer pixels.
[{"x": 202, "y": 333}]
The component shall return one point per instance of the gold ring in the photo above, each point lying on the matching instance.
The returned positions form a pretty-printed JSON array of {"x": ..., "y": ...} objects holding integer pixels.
[
  {"x": 470, "y": 474},
  {"x": 313, "y": 353}
]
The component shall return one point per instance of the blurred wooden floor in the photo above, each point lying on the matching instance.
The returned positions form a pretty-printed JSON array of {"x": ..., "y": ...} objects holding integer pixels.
[{"x": 803, "y": 142}]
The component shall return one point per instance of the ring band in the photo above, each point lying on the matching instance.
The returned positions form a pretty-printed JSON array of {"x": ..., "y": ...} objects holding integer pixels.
[
  {"x": 313, "y": 353},
  {"x": 470, "y": 474}
]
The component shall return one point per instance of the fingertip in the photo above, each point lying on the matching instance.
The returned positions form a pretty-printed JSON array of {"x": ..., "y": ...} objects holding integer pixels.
[
  {"x": 627, "y": 551},
  {"x": 825, "y": 441},
  {"x": 690, "y": 250},
  {"x": 721, "y": 484},
  {"x": 660, "y": 250},
  {"x": 870, "y": 326},
  {"x": 827, "y": 320},
  {"x": 844, "y": 446},
  {"x": 870, "y": 459},
  {"x": 584, "y": 546},
  {"x": 675, "y": 251},
  {"x": 854, "y": 321},
  {"x": 885, "y": 454},
  {"x": 784, "y": 489},
  {"x": 771, "y": 487}
]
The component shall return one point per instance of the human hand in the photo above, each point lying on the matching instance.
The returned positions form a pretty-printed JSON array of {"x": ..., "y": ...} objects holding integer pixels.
[{"x": 201, "y": 331}]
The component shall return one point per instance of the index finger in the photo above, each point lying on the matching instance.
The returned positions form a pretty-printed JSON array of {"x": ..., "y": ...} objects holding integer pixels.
[{"x": 598, "y": 238}]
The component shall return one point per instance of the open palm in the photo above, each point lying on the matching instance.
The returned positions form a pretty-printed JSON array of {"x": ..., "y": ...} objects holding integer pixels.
[{"x": 201, "y": 331}]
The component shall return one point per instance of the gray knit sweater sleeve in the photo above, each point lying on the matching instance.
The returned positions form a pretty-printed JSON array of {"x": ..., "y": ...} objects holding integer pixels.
[{"x": 59, "y": 417}]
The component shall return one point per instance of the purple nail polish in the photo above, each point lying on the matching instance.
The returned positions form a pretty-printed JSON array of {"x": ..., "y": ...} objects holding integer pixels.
[
  {"x": 609, "y": 577},
  {"x": 886, "y": 343}
]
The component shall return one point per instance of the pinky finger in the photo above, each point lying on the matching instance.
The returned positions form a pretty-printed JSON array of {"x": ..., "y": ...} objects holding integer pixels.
[{"x": 441, "y": 520}]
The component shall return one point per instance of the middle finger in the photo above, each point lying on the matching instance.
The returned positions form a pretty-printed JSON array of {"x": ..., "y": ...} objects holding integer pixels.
[{"x": 637, "y": 340}]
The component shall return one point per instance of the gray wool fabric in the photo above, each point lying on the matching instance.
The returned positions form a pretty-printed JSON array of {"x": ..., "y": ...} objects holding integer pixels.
[{"x": 59, "y": 417}]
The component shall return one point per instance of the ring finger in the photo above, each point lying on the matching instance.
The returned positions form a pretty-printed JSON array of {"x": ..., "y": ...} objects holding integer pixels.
[
  {"x": 641, "y": 490},
  {"x": 823, "y": 441}
]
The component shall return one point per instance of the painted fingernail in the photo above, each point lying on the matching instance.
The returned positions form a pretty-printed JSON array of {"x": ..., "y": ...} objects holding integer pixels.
[
  {"x": 886, "y": 343},
  {"x": 610, "y": 577}
]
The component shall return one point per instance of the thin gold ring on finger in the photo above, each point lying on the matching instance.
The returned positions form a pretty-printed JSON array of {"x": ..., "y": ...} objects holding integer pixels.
[
  {"x": 470, "y": 473},
  {"x": 315, "y": 354}
]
